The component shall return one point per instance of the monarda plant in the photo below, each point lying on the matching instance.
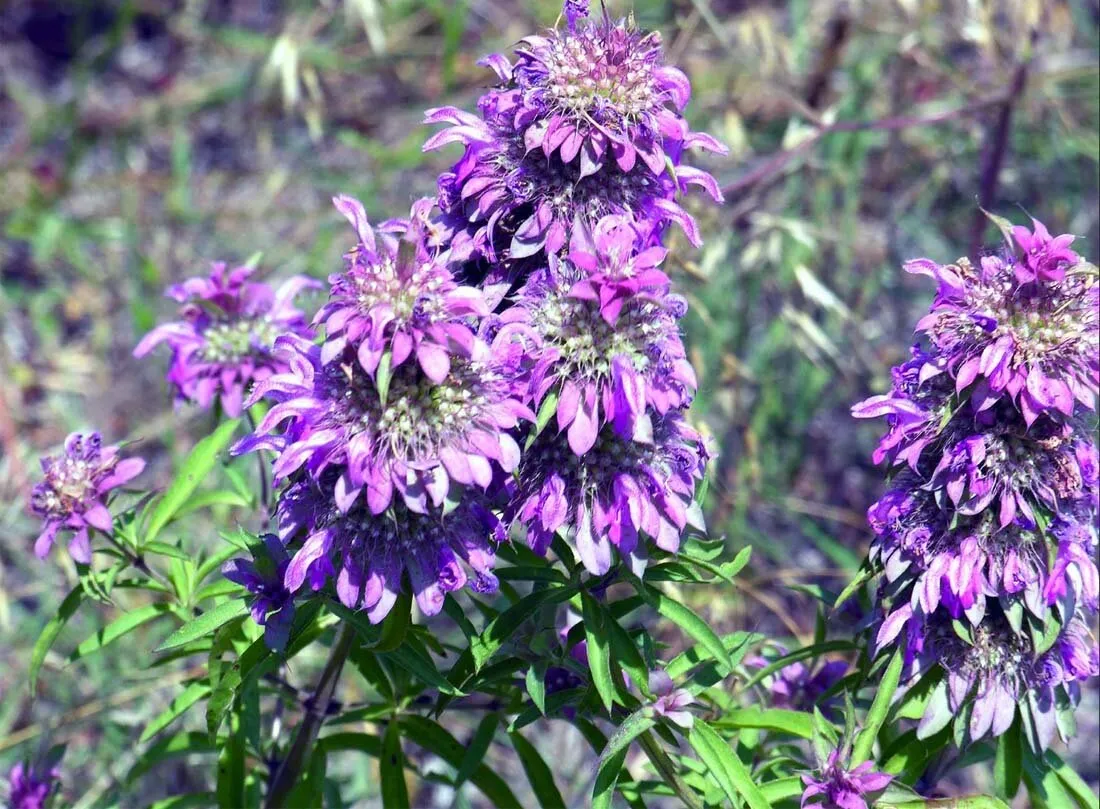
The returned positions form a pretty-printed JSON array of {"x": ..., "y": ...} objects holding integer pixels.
[
  {"x": 986, "y": 539},
  {"x": 448, "y": 508}
]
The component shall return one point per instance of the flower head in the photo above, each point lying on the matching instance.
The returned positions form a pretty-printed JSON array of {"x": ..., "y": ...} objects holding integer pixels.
[
  {"x": 415, "y": 437},
  {"x": 272, "y": 604},
  {"x": 224, "y": 339},
  {"x": 368, "y": 554},
  {"x": 1035, "y": 341},
  {"x": 31, "y": 787},
  {"x": 992, "y": 671},
  {"x": 586, "y": 123},
  {"x": 837, "y": 787},
  {"x": 73, "y": 495},
  {"x": 616, "y": 491},
  {"x": 602, "y": 373},
  {"x": 402, "y": 300}
]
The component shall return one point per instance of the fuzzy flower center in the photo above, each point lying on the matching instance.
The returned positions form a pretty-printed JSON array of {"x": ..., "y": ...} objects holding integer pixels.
[
  {"x": 1040, "y": 319},
  {"x": 232, "y": 341},
  {"x": 419, "y": 416},
  {"x": 412, "y": 296},
  {"x": 599, "y": 76},
  {"x": 68, "y": 483},
  {"x": 587, "y": 344}
]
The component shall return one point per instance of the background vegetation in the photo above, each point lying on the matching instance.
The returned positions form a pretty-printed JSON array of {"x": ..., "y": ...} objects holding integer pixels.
[{"x": 140, "y": 140}]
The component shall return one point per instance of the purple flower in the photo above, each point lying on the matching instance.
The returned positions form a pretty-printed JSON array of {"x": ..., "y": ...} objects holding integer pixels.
[
  {"x": 622, "y": 374},
  {"x": 617, "y": 263},
  {"x": 73, "y": 495},
  {"x": 224, "y": 339},
  {"x": 612, "y": 494},
  {"x": 31, "y": 787},
  {"x": 986, "y": 541},
  {"x": 671, "y": 703},
  {"x": 369, "y": 554},
  {"x": 994, "y": 671},
  {"x": 272, "y": 604},
  {"x": 796, "y": 687},
  {"x": 422, "y": 441},
  {"x": 1037, "y": 342},
  {"x": 837, "y": 787},
  {"x": 391, "y": 300},
  {"x": 1046, "y": 257},
  {"x": 586, "y": 123}
]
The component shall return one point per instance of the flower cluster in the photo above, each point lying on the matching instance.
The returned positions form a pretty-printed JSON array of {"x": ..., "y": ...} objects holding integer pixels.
[
  {"x": 987, "y": 536},
  {"x": 587, "y": 121},
  {"x": 531, "y": 282},
  {"x": 798, "y": 687},
  {"x": 73, "y": 494},
  {"x": 223, "y": 341}
]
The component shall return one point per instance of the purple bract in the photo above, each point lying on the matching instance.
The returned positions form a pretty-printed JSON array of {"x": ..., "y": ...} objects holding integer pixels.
[{"x": 837, "y": 787}]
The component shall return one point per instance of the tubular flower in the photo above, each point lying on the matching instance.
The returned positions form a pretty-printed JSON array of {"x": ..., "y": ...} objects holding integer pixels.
[
  {"x": 403, "y": 301},
  {"x": 617, "y": 490},
  {"x": 587, "y": 122},
  {"x": 368, "y": 554},
  {"x": 413, "y": 436},
  {"x": 224, "y": 339},
  {"x": 73, "y": 495},
  {"x": 272, "y": 604},
  {"x": 671, "y": 702},
  {"x": 31, "y": 787},
  {"x": 837, "y": 787},
  {"x": 987, "y": 540},
  {"x": 602, "y": 373}
]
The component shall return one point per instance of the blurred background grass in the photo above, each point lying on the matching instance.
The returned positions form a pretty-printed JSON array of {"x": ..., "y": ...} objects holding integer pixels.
[{"x": 140, "y": 140}]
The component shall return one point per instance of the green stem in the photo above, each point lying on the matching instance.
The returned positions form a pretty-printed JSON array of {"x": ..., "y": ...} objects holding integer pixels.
[
  {"x": 667, "y": 769},
  {"x": 297, "y": 758}
]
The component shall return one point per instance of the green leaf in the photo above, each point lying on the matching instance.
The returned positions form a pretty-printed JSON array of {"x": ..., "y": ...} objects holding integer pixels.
[
  {"x": 475, "y": 751},
  {"x": 624, "y": 651},
  {"x": 382, "y": 376},
  {"x": 396, "y": 623},
  {"x": 395, "y": 794},
  {"x": 432, "y": 736},
  {"x": 606, "y": 777},
  {"x": 1073, "y": 782},
  {"x": 880, "y": 706},
  {"x": 50, "y": 632},
  {"x": 535, "y": 680},
  {"x": 1008, "y": 765},
  {"x": 248, "y": 667},
  {"x": 728, "y": 770},
  {"x": 538, "y": 774},
  {"x": 736, "y": 644},
  {"x": 794, "y": 723},
  {"x": 176, "y": 708},
  {"x": 191, "y": 799},
  {"x": 166, "y": 549},
  {"x": 501, "y": 628},
  {"x": 422, "y": 667},
  {"x": 186, "y": 743},
  {"x": 691, "y": 623},
  {"x": 193, "y": 472},
  {"x": 864, "y": 575},
  {"x": 122, "y": 625},
  {"x": 546, "y": 412},
  {"x": 632, "y": 727},
  {"x": 599, "y": 657},
  {"x": 231, "y": 767},
  {"x": 782, "y": 789},
  {"x": 205, "y": 624}
]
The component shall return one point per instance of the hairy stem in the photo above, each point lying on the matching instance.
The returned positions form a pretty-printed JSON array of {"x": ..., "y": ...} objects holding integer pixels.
[
  {"x": 316, "y": 707},
  {"x": 668, "y": 772}
]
